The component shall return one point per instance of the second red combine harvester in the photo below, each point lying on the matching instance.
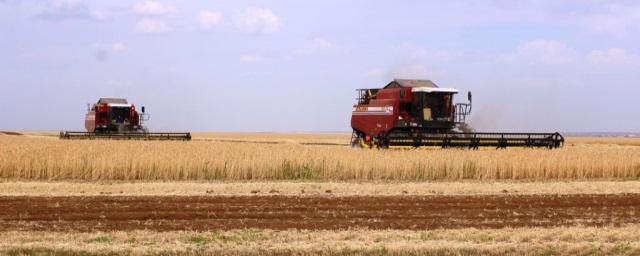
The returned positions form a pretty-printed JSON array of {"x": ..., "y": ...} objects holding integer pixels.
[
  {"x": 417, "y": 113},
  {"x": 115, "y": 118}
]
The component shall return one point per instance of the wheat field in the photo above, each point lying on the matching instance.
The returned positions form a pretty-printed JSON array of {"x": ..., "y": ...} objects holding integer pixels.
[{"x": 303, "y": 157}]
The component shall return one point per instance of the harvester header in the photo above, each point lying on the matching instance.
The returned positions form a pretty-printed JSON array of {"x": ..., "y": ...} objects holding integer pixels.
[
  {"x": 115, "y": 118},
  {"x": 418, "y": 113}
]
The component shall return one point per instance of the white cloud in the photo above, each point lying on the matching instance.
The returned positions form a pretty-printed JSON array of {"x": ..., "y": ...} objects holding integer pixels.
[
  {"x": 117, "y": 84},
  {"x": 317, "y": 46},
  {"x": 409, "y": 71},
  {"x": 209, "y": 19},
  {"x": 257, "y": 20},
  {"x": 150, "y": 7},
  {"x": 250, "y": 58},
  {"x": 375, "y": 73},
  {"x": 115, "y": 47},
  {"x": 414, "y": 52},
  {"x": 611, "y": 55},
  {"x": 10, "y": 1},
  {"x": 103, "y": 50},
  {"x": 151, "y": 26},
  {"x": 118, "y": 47},
  {"x": 66, "y": 3},
  {"x": 540, "y": 52},
  {"x": 99, "y": 15},
  {"x": 612, "y": 19},
  {"x": 69, "y": 9}
]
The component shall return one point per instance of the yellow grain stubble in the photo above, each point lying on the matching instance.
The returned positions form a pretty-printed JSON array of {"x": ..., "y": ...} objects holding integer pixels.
[{"x": 518, "y": 241}]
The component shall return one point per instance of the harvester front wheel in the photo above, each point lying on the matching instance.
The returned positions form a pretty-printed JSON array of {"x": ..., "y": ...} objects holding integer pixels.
[{"x": 358, "y": 141}]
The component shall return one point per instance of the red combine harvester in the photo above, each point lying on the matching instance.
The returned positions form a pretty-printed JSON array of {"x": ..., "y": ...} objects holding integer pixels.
[
  {"x": 418, "y": 113},
  {"x": 114, "y": 118}
]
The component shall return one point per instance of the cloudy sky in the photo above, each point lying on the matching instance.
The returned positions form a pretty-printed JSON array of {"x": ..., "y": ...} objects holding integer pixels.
[{"x": 295, "y": 65}]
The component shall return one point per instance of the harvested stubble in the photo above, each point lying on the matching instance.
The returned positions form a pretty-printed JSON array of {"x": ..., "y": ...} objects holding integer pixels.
[
  {"x": 311, "y": 188},
  {"x": 52, "y": 159},
  {"x": 508, "y": 241}
]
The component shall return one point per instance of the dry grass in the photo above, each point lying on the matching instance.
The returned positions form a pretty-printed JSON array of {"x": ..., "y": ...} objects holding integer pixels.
[
  {"x": 521, "y": 241},
  {"x": 46, "y": 158},
  {"x": 216, "y": 188}
]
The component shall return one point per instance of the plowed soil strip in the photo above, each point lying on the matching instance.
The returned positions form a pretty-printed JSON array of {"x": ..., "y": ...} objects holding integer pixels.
[{"x": 164, "y": 213}]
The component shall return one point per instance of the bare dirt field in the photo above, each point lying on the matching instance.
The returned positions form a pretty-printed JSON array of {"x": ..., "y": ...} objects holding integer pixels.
[{"x": 163, "y": 213}]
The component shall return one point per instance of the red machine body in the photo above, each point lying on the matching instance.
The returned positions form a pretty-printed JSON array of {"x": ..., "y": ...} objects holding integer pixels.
[
  {"x": 405, "y": 105},
  {"x": 113, "y": 115},
  {"x": 380, "y": 113}
]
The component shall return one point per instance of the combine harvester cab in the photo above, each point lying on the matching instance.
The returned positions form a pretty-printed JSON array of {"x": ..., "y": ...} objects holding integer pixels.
[
  {"x": 418, "y": 113},
  {"x": 115, "y": 118}
]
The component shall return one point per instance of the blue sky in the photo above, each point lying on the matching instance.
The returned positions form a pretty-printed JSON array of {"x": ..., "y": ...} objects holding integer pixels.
[{"x": 295, "y": 65}]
